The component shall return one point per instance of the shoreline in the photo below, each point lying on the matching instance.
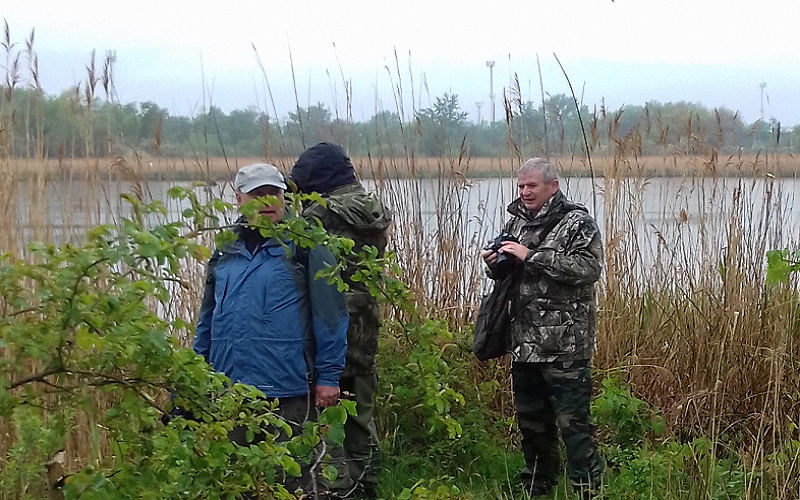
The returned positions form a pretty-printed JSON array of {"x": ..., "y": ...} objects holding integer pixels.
[{"x": 219, "y": 169}]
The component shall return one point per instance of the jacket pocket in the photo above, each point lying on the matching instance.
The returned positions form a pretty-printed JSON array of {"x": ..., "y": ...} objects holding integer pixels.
[
  {"x": 556, "y": 332},
  {"x": 556, "y": 340}
]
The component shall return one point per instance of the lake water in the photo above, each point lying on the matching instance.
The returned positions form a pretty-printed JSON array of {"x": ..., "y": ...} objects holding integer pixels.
[
  {"x": 672, "y": 223},
  {"x": 659, "y": 229}
]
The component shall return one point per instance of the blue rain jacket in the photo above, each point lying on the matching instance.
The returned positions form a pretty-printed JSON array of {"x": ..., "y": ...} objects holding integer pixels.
[{"x": 265, "y": 321}]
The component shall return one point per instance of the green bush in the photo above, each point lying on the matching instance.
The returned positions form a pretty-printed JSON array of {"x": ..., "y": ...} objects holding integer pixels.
[
  {"x": 82, "y": 348},
  {"x": 624, "y": 421}
]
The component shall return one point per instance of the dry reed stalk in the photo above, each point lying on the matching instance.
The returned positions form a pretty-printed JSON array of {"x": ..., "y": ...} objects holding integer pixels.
[{"x": 694, "y": 329}]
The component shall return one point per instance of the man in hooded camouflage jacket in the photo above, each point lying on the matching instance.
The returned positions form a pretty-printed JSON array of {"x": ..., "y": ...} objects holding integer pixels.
[
  {"x": 555, "y": 264},
  {"x": 353, "y": 213}
]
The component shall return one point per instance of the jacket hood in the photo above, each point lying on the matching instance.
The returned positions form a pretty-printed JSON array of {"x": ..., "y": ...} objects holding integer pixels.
[
  {"x": 363, "y": 211},
  {"x": 322, "y": 168},
  {"x": 558, "y": 204}
]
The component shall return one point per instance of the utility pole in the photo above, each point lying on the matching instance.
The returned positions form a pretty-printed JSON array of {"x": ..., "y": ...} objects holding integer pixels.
[
  {"x": 490, "y": 65},
  {"x": 763, "y": 85},
  {"x": 478, "y": 105}
]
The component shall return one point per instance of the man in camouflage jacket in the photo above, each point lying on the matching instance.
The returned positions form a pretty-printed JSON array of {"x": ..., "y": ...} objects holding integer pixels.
[
  {"x": 353, "y": 213},
  {"x": 555, "y": 264}
]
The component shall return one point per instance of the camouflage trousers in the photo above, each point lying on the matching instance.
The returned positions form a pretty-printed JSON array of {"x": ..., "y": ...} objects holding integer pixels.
[
  {"x": 361, "y": 446},
  {"x": 550, "y": 397}
]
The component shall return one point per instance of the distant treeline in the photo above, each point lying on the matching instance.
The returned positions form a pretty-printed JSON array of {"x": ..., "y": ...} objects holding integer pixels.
[{"x": 77, "y": 124}]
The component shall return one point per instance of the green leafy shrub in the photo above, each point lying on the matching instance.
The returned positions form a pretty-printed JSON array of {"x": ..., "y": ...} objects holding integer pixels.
[
  {"x": 431, "y": 410},
  {"x": 643, "y": 465},
  {"x": 623, "y": 421},
  {"x": 82, "y": 341}
]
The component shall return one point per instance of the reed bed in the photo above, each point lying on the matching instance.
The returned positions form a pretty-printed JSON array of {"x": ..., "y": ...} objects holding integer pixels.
[{"x": 222, "y": 169}]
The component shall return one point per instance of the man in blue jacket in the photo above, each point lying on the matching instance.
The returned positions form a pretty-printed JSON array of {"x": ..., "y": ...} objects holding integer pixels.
[{"x": 264, "y": 320}]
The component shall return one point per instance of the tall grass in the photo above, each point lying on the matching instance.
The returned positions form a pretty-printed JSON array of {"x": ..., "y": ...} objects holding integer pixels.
[{"x": 682, "y": 308}]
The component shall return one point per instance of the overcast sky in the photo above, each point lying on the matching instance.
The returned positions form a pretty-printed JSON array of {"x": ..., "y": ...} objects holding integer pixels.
[{"x": 187, "y": 54}]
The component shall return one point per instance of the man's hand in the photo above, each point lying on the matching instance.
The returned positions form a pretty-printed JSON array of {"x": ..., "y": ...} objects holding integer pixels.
[
  {"x": 489, "y": 257},
  {"x": 326, "y": 396},
  {"x": 518, "y": 250}
]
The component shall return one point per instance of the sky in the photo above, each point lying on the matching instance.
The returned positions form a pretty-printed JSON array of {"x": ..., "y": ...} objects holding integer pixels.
[{"x": 368, "y": 56}]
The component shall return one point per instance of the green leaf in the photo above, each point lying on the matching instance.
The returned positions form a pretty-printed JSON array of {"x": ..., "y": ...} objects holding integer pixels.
[
  {"x": 86, "y": 340},
  {"x": 177, "y": 192},
  {"x": 778, "y": 268},
  {"x": 336, "y": 433},
  {"x": 333, "y": 414},
  {"x": 150, "y": 249},
  {"x": 330, "y": 473},
  {"x": 290, "y": 466},
  {"x": 348, "y": 405}
]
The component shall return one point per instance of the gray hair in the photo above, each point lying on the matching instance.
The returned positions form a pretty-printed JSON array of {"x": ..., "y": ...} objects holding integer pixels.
[{"x": 546, "y": 170}]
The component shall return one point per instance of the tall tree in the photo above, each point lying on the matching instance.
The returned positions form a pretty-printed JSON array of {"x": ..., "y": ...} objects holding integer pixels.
[
  {"x": 442, "y": 127},
  {"x": 310, "y": 125}
]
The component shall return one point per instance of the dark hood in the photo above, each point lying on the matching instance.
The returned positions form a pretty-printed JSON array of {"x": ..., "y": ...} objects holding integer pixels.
[{"x": 322, "y": 168}]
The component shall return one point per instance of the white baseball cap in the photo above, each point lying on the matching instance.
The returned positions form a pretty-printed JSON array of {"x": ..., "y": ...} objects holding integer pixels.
[{"x": 254, "y": 176}]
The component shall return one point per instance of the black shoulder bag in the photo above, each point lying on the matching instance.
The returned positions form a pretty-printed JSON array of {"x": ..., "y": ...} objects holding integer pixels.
[{"x": 492, "y": 337}]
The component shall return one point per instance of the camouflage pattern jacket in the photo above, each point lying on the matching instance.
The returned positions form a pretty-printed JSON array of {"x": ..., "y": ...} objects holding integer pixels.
[
  {"x": 360, "y": 216},
  {"x": 552, "y": 305}
]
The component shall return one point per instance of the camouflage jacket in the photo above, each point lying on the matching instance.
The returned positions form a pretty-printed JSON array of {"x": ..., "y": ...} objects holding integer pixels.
[
  {"x": 360, "y": 216},
  {"x": 552, "y": 305}
]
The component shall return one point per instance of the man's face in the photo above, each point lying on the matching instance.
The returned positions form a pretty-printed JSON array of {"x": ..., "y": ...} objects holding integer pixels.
[
  {"x": 533, "y": 192},
  {"x": 273, "y": 211}
]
